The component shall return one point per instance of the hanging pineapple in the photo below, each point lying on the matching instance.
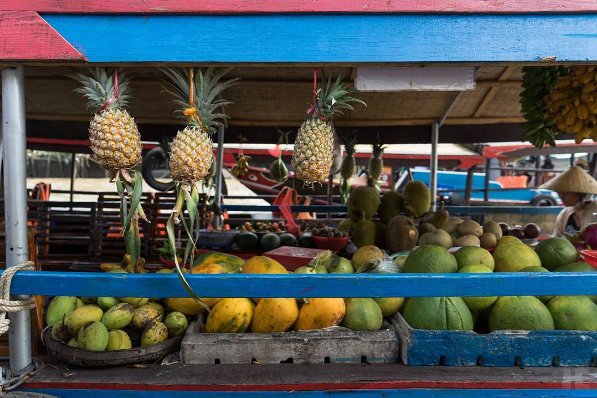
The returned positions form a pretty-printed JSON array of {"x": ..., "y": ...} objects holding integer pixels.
[
  {"x": 191, "y": 154},
  {"x": 278, "y": 169},
  {"x": 348, "y": 167},
  {"x": 116, "y": 146},
  {"x": 314, "y": 145},
  {"x": 376, "y": 162}
]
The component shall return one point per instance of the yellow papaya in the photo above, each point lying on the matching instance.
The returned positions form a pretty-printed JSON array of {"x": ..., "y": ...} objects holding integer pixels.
[
  {"x": 319, "y": 313},
  {"x": 228, "y": 262},
  {"x": 189, "y": 306},
  {"x": 230, "y": 315},
  {"x": 262, "y": 265},
  {"x": 274, "y": 315}
]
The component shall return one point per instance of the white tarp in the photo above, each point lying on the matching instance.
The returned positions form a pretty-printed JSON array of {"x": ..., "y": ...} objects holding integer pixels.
[{"x": 415, "y": 78}]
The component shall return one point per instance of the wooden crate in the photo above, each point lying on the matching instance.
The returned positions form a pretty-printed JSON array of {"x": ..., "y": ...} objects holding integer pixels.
[
  {"x": 333, "y": 345},
  {"x": 500, "y": 348}
]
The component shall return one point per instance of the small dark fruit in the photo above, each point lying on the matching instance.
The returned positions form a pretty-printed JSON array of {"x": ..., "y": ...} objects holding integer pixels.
[
  {"x": 505, "y": 228},
  {"x": 517, "y": 233},
  {"x": 531, "y": 231}
]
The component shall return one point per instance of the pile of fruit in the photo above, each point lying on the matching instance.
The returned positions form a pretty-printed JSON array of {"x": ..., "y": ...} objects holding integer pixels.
[
  {"x": 261, "y": 226},
  {"x": 247, "y": 240},
  {"x": 322, "y": 230},
  {"x": 268, "y": 315},
  {"x": 111, "y": 324},
  {"x": 486, "y": 314}
]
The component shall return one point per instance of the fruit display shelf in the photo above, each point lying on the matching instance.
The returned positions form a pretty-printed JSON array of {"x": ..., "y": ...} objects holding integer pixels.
[
  {"x": 496, "y": 349},
  {"x": 331, "y": 345}
]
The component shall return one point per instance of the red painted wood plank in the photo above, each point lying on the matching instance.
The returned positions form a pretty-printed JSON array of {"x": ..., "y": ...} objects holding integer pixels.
[
  {"x": 25, "y": 36},
  {"x": 296, "y": 6},
  {"x": 380, "y": 385}
]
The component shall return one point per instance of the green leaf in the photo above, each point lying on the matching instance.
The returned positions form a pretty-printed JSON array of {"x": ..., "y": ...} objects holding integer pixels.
[
  {"x": 170, "y": 231},
  {"x": 136, "y": 200}
]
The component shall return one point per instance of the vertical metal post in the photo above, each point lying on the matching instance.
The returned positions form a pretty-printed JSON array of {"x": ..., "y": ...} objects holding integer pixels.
[
  {"x": 537, "y": 173},
  {"x": 73, "y": 174},
  {"x": 486, "y": 190},
  {"x": 433, "y": 165},
  {"x": 220, "y": 165},
  {"x": 330, "y": 193},
  {"x": 15, "y": 199}
]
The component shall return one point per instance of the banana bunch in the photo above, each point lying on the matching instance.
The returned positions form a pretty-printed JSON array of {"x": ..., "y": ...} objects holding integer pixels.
[
  {"x": 537, "y": 82},
  {"x": 241, "y": 166},
  {"x": 572, "y": 103}
]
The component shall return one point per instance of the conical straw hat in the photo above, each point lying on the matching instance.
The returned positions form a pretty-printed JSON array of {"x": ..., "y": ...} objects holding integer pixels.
[{"x": 573, "y": 180}]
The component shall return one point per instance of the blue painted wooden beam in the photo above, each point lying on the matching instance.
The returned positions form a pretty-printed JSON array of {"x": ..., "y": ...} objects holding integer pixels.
[
  {"x": 324, "y": 38},
  {"x": 331, "y": 285}
]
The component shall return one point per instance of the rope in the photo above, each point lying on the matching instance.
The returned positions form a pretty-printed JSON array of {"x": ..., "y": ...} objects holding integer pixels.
[
  {"x": 7, "y": 305},
  {"x": 191, "y": 111}
]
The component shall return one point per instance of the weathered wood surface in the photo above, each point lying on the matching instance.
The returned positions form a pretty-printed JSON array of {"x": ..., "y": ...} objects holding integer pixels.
[
  {"x": 25, "y": 36},
  {"x": 371, "y": 380},
  {"x": 296, "y": 6},
  {"x": 501, "y": 348},
  {"x": 305, "y": 39},
  {"x": 315, "y": 285}
]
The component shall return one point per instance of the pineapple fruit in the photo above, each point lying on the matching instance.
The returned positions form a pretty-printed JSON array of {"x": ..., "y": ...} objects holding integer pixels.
[
  {"x": 376, "y": 162},
  {"x": 191, "y": 153},
  {"x": 115, "y": 139},
  {"x": 348, "y": 167},
  {"x": 314, "y": 145},
  {"x": 116, "y": 146}
]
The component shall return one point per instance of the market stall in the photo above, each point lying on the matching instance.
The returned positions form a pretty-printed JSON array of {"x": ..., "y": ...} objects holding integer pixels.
[{"x": 37, "y": 34}]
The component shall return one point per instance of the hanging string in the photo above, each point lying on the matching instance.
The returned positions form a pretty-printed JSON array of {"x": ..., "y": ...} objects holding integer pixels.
[
  {"x": 314, "y": 107},
  {"x": 115, "y": 95},
  {"x": 191, "y": 111}
]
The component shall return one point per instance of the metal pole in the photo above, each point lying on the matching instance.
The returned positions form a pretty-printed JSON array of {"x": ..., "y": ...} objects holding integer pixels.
[
  {"x": 433, "y": 165},
  {"x": 15, "y": 199},
  {"x": 330, "y": 193},
  {"x": 219, "y": 166},
  {"x": 73, "y": 172},
  {"x": 486, "y": 190}
]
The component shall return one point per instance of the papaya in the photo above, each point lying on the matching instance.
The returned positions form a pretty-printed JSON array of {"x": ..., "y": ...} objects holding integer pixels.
[
  {"x": 118, "y": 316},
  {"x": 262, "y": 265},
  {"x": 93, "y": 337},
  {"x": 118, "y": 340},
  {"x": 154, "y": 333},
  {"x": 319, "y": 313},
  {"x": 145, "y": 315},
  {"x": 60, "y": 306},
  {"x": 81, "y": 316},
  {"x": 228, "y": 262},
  {"x": 230, "y": 315},
  {"x": 274, "y": 315},
  {"x": 189, "y": 306},
  {"x": 134, "y": 301}
]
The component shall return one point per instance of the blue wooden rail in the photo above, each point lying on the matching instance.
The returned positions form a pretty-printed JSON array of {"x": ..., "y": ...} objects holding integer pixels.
[
  {"x": 452, "y": 209},
  {"x": 331, "y": 285}
]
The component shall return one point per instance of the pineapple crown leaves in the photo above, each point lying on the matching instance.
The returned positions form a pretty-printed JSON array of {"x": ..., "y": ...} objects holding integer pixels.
[
  {"x": 350, "y": 141},
  {"x": 332, "y": 99},
  {"x": 99, "y": 88},
  {"x": 283, "y": 136},
  {"x": 207, "y": 90},
  {"x": 377, "y": 147}
]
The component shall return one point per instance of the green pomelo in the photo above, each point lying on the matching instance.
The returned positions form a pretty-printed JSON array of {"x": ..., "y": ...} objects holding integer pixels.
[
  {"x": 477, "y": 303},
  {"x": 520, "y": 313},
  {"x": 59, "y": 307},
  {"x": 544, "y": 299},
  {"x": 514, "y": 256},
  {"x": 118, "y": 340},
  {"x": 442, "y": 313},
  {"x": 107, "y": 302},
  {"x": 362, "y": 314},
  {"x": 270, "y": 241},
  {"x": 474, "y": 255},
  {"x": 578, "y": 267},
  {"x": 417, "y": 199},
  {"x": 391, "y": 206},
  {"x": 509, "y": 239},
  {"x": 389, "y": 305},
  {"x": 573, "y": 313},
  {"x": 430, "y": 259},
  {"x": 362, "y": 199},
  {"x": 555, "y": 252},
  {"x": 93, "y": 337}
]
